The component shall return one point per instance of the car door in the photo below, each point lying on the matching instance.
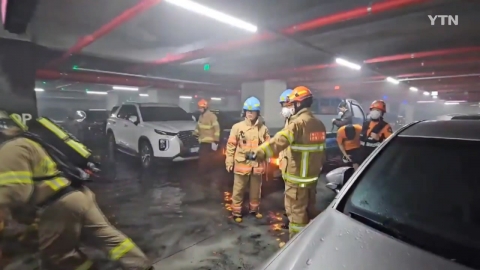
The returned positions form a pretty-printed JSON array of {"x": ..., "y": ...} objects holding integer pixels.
[
  {"x": 118, "y": 125},
  {"x": 131, "y": 128},
  {"x": 357, "y": 111}
]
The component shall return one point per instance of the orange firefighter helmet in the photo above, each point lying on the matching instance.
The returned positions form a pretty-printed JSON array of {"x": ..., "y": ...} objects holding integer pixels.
[
  {"x": 379, "y": 105},
  {"x": 299, "y": 94},
  {"x": 202, "y": 103}
]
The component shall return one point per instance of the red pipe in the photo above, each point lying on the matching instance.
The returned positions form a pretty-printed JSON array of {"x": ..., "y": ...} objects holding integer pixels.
[
  {"x": 124, "y": 80},
  {"x": 364, "y": 11},
  {"x": 429, "y": 63},
  {"x": 107, "y": 28},
  {"x": 394, "y": 57},
  {"x": 421, "y": 55}
]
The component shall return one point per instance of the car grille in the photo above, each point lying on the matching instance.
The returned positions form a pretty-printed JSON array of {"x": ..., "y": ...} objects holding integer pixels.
[{"x": 187, "y": 139}]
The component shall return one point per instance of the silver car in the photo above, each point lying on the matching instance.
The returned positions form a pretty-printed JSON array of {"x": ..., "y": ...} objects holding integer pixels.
[{"x": 413, "y": 204}]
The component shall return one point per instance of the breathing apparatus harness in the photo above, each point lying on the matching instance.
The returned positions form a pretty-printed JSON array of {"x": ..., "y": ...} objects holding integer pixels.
[{"x": 73, "y": 159}]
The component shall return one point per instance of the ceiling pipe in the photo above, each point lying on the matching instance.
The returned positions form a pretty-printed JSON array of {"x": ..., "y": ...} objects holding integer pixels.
[
  {"x": 105, "y": 29},
  {"x": 406, "y": 56},
  {"x": 94, "y": 78},
  {"x": 434, "y": 63},
  {"x": 379, "y": 7},
  {"x": 373, "y": 78},
  {"x": 442, "y": 77},
  {"x": 417, "y": 55}
]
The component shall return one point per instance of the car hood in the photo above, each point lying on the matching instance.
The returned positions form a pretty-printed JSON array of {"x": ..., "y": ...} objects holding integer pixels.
[
  {"x": 172, "y": 126},
  {"x": 334, "y": 241}
]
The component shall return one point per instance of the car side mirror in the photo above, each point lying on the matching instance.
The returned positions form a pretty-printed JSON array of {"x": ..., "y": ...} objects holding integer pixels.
[
  {"x": 133, "y": 119},
  {"x": 80, "y": 116},
  {"x": 338, "y": 177}
]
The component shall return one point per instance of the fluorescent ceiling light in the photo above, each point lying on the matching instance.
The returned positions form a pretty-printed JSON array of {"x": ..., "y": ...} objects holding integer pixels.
[
  {"x": 426, "y": 93},
  {"x": 186, "y": 97},
  {"x": 39, "y": 90},
  {"x": 426, "y": 101},
  {"x": 96, "y": 93},
  {"x": 216, "y": 98},
  {"x": 348, "y": 64},
  {"x": 125, "y": 88},
  {"x": 143, "y": 95},
  {"x": 414, "y": 89},
  {"x": 214, "y": 14},
  {"x": 451, "y": 103},
  {"x": 392, "y": 80},
  {"x": 456, "y": 101},
  {"x": 434, "y": 93}
]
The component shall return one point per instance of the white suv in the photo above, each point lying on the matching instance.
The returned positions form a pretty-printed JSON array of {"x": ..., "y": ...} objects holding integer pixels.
[{"x": 152, "y": 130}]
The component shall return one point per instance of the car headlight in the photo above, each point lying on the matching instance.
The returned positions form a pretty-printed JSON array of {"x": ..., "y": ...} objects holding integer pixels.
[
  {"x": 161, "y": 132},
  {"x": 163, "y": 144}
]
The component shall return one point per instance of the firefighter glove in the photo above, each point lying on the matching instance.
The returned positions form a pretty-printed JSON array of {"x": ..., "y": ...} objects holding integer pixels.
[
  {"x": 250, "y": 156},
  {"x": 214, "y": 146}
]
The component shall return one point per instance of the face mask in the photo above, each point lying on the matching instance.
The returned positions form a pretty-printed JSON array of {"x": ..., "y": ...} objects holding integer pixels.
[
  {"x": 375, "y": 114},
  {"x": 287, "y": 112}
]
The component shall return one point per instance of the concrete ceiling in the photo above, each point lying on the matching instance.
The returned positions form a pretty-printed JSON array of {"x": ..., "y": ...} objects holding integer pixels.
[{"x": 166, "y": 46}]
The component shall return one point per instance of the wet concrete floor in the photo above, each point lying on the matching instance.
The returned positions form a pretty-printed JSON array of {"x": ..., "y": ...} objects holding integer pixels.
[{"x": 181, "y": 221}]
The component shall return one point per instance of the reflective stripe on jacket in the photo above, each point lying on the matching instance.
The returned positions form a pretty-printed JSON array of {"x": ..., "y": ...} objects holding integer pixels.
[
  {"x": 21, "y": 160},
  {"x": 303, "y": 160},
  {"x": 245, "y": 137},
  {"x": 208, "y": 129}
]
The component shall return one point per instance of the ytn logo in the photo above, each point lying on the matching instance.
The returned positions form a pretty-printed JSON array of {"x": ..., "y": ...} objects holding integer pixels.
[{"x": 451, "y": 20}]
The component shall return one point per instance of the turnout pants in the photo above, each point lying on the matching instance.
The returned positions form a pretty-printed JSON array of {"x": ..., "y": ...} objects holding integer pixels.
[
  {"x": 205, "y": 158},
  {"x": 240, "y": 185},
  {"x": 75, "y": 219},
  {"x": 300, "y": 206}
]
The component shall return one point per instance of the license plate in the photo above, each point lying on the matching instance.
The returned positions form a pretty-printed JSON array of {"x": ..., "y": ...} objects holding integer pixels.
[{"x": 194, "y": 150}]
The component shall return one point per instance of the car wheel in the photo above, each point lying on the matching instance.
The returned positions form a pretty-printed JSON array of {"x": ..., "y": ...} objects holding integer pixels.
[
  {"x": 146, "y": 154},
  {"x": 112, "y": 147}
]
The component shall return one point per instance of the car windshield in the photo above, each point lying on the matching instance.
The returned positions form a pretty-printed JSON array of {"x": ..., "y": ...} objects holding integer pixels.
[
  {"x": 154, "y": 114},
  {"x": 427, "y": 192}
]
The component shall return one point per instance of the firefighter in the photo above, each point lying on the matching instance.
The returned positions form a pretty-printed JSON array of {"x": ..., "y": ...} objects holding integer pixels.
[
  {"x": 303, "y": 141},
  {"x": 348, "y": 139},
  {"x": 244, "y": 137},
  {"x": 345, "y": 115},
  {"x": 286, "y": 113},
  {"x": 375, "y": 130},
  {"x": 68, "y": 216},
  {"x": 208, "y": 132}
]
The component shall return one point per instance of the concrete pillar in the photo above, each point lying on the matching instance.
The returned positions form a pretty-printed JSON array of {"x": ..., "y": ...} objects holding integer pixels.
[
  {"x": 17, "y": 79},
  {"x": 268, "y": 93},
  {"x": 112, "y": 100},
  {"x": 184, "y": 102},
  {"x": 152, "y": 96}
]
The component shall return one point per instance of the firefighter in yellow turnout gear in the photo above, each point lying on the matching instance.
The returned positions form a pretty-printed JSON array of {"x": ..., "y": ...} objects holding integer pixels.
[
  {"x": 303, "y": 143},
  {"x": 68, "y": 214},
  {"x": 244, "y": 137},
  {"x": 208, "y": 132}
]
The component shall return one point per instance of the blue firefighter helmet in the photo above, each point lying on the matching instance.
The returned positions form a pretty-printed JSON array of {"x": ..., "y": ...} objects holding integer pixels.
[
  {"x": 251, "y": 104},
  {"x": 284, "y": 95}
]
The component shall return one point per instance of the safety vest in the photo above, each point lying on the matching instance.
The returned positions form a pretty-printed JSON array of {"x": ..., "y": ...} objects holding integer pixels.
[{"x": 366, "y": 140}]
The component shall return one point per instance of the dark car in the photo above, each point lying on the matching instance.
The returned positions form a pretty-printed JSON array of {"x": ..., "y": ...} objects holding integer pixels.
[
  {"x": 413, "y": 204},
  {"x": 89, "y": 126}
]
